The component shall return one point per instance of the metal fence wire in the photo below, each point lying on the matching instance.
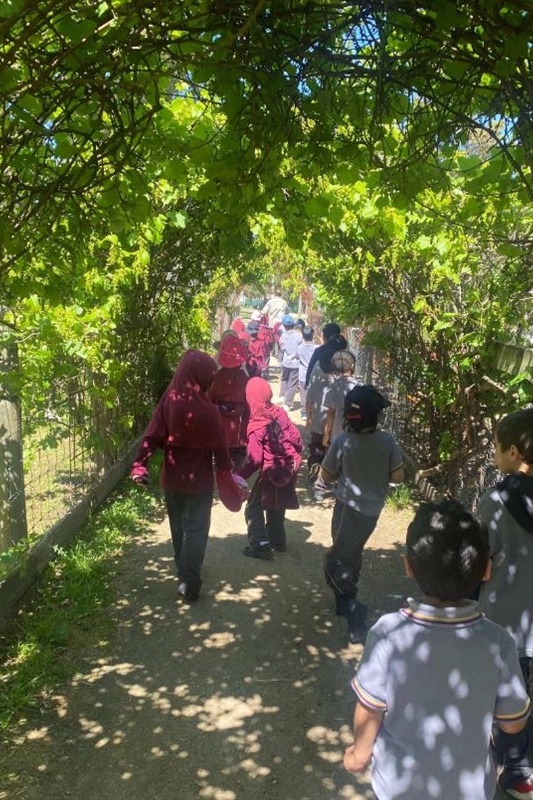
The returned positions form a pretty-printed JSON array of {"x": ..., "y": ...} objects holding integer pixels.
[
  {"x": 465, "y": 477},
  {"x": 66, "y": 450}
]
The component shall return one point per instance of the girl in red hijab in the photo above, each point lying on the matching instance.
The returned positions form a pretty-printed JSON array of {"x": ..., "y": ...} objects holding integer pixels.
[
  {"x": 186, "y": 425},
  {"x": 228, "y": 391},
  {"x": 274, "y": 448}
]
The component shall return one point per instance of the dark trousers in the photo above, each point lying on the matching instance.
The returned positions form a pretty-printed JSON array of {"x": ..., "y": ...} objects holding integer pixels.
[
  {"x": 289, "y": 383},
  {"x": 189, "y": 516},
  {"x": 510, "y": 753},
  {"x": 264, "y": 525},
  {"x": 317, "y": 453},
  {"x": 350, "y": 531}
]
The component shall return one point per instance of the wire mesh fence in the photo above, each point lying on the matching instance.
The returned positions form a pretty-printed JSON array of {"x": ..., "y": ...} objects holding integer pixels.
[
  {"x": 464, "y": 477},
  {"x": 66, "y": 449}
]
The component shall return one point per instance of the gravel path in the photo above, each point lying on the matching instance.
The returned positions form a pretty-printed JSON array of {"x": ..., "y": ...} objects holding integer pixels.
[{"x": 242, "y": 696}]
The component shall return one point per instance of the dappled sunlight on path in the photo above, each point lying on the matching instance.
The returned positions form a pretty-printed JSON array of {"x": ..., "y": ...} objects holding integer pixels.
[{"x": 244, "y": 694}]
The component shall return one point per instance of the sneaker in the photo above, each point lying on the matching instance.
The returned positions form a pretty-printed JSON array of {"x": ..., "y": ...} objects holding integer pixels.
[
  {"x": 522, "y": 790},
  {"x": 303, "y": 415},
  {"x": 259, "y": 551},
  {"x": 358, "y": 635},
  {"x": 280, "y": 548},
  {"x": 318, "y": 495},
  {"x": 314, "y": 469},
  {"x": 185, "y": 595}
]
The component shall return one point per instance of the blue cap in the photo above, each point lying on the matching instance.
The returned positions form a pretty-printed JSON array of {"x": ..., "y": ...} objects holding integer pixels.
[{"x": 287, "y": 320}]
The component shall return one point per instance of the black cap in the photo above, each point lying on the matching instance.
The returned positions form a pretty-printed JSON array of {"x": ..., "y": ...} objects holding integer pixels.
[{"x": 363, "y": 403}]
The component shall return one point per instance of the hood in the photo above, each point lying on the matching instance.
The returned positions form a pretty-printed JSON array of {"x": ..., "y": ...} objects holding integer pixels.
[{"x": 516, "y": 492}]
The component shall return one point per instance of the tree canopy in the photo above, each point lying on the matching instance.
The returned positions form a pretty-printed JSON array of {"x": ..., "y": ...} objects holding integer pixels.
[{"x": 232, "y": 99}]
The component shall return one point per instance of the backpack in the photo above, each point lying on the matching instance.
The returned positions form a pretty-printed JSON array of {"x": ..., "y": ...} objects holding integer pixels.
[{"x": 280, "y": 467}]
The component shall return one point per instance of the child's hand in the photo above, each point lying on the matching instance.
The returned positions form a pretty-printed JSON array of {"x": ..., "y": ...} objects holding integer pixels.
[{"x": 353, "y": 762}]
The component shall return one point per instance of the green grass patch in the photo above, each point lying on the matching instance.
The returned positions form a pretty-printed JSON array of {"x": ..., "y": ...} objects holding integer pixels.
[
  {"x": 400, "y": 497},
  {"x": 41, "y": 648}
]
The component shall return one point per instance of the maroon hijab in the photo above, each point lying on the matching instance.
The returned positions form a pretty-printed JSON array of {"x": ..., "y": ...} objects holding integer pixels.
[
  {"x": 192, "y": 419},
  {"x": 262, "y": 410}
]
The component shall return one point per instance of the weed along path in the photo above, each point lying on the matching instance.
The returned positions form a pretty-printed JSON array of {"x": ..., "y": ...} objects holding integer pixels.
[{"x": 243, "y": 695}]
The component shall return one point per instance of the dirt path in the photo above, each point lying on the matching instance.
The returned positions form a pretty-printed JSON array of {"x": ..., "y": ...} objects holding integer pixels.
[{"x": 243, "y": 695}]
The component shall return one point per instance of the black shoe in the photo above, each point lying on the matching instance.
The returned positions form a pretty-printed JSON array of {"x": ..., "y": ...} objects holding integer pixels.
[
  {"x": 356, "y": 615},
  {"x": 280, "y": 547},
  {"x": 358, "y": 634},
  {"x": 185, "y": 595},
  {"x": 259, "y": 551}
]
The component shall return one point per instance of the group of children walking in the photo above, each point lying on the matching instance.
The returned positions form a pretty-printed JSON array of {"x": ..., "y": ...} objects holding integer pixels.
[{"x": 442, "y": 687}]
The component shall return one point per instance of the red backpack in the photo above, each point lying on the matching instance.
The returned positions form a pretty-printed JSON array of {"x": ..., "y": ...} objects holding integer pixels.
[{"x": 281, "y": 460}]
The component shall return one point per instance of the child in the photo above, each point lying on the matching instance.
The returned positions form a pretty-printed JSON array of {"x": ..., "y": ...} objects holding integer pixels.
[
  {"x": 437, "y": 674},
  {"x": 186, "y": 425},
  {"x": 363, "y": 461},
  {"x": 258, "y": 352},
  {"x": 290, "y": 341},
  {"x": 330, "y": 336},
  {"x": 228, "y": 392},
  {"x": 274, "y": 448},
  {"x": 507, "y": 510},
  {"x": 303, "y": 356},
  {"x": 343, "y": 366},
  {"x": 315, "y": 410}
]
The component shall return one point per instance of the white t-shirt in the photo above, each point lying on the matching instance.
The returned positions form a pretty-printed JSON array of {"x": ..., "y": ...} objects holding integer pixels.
[{"x": 275, "y": 308}]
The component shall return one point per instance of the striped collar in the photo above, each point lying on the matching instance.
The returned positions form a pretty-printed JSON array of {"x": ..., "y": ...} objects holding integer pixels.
[{"x": 449, "y": 616}]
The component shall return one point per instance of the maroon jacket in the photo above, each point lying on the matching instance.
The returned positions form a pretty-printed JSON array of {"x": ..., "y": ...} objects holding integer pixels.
[
  {"x": 258, "y": 457},
  {"x": 186, "y": 425}
]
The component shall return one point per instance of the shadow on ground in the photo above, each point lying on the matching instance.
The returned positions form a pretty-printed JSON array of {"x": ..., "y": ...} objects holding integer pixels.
[{"x": 243, "y": 695}]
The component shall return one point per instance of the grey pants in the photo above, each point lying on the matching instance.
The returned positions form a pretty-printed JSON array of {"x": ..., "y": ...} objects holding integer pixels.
[
  {"x": 189, "y": 516},
  {"x": 288, "y": 384},
  {"x": 350, "y": 531}
]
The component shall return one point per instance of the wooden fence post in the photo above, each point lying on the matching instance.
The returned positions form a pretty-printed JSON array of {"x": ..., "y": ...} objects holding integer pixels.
[{"x": 13, "y": 526}]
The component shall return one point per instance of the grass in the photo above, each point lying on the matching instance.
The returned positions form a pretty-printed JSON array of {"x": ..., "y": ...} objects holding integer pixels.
[
  {"x": 400, "y": 497},
  {"x": 42, "y": 646}
]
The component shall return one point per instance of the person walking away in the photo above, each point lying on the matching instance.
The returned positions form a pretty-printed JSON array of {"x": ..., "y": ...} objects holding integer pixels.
[
  {"x": 266, "y": 337},
  {"x": 274, "y": 309},
  {"x": 330, "y": 333},
  {"x": 363, "y": 461},
  {"x": 316, "y": 411},
  {"x": 228, "y": 392},
  {"x": 257, "y": 352},
  {"x": 303, "y": 354},
  {"x": 507, "y": 510},
  {"x": 343, "y": 369},
  {"x": 186, "y": 425},
  {"x": 439, "y": 686},
  {"x": 289, "y": 343},
  {"x": 274, "y": 449}
]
